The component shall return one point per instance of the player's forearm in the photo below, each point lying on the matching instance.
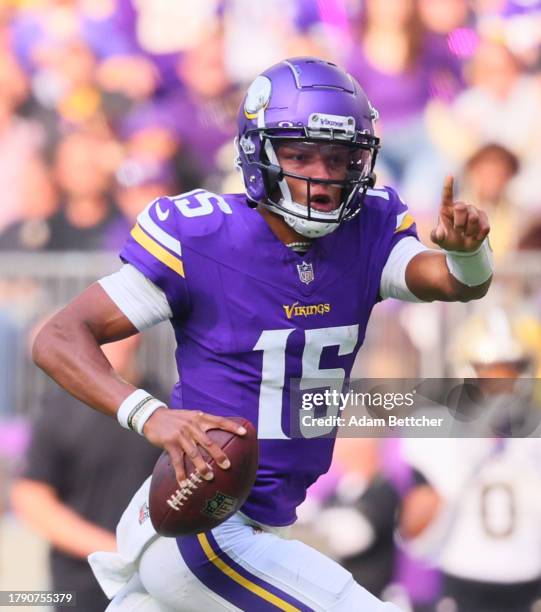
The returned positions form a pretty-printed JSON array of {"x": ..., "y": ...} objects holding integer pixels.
[
  {"x": 37, "y": 504},
  {"x": 428, "y": 277},
  {"x": 69, "y": 352}
]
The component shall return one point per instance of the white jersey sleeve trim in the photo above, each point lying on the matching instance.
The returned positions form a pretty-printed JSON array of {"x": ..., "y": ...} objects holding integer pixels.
[
  {"x": 378, "y": 193},
  {"x": 393, "y": 277},
  {"x": 155, "y": 231},
  {"x": 143, "y": 303}
]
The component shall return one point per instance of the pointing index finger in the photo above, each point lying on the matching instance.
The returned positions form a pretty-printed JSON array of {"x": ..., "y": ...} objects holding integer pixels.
[{"x": 447, "y": 196}]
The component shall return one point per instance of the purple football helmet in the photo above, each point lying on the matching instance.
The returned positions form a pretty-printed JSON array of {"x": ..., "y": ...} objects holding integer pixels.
[{"x": 308, "y": 100}]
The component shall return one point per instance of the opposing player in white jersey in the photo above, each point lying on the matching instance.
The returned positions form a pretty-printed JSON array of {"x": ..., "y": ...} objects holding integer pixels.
[{"x": 487, "y": 538}]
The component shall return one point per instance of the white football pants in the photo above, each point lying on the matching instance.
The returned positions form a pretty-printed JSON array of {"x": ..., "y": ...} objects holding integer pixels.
[{"x": 239, "y": 566}]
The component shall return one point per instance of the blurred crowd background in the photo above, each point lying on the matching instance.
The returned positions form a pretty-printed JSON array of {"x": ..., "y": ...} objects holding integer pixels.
[{"x": 107, "y": 104}]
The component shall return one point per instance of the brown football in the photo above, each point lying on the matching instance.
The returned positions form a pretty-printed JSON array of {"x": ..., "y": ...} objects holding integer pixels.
[{"x": 202, "y": 504}]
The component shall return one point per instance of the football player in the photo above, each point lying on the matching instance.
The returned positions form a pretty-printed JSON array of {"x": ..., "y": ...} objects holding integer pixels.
[
  {"x": 261, "y": 288},
  {"x": 490, "y": 484}
]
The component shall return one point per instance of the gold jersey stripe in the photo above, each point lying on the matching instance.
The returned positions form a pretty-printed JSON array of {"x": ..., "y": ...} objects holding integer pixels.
[
  {"x": 157, "y": 250},
  {"x": 248, "y": 584},
  {"x": 407, "y": 221}
]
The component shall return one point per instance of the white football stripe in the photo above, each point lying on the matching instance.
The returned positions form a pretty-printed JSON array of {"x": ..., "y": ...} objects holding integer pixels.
[
  {"x": 378, "y": 193},
  {"x": 400, "y": 218},
  {"x": 154, "y": 230}
]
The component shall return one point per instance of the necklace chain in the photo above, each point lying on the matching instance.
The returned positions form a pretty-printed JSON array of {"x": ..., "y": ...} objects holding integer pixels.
[{"x": 299, "y": 246}]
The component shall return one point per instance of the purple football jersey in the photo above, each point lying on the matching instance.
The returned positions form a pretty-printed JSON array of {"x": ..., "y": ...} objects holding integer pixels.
[{"x": 239, "y": 297}]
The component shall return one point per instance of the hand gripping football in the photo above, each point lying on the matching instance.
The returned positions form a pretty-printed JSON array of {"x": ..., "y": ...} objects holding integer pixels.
[{"x": 200, "y": 505}]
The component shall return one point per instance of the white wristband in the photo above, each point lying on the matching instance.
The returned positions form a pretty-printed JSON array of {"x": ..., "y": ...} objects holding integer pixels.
[
  {"x": 144, "y": 413},
  {"x": 136, "y": 409},
  {"x": 471, "y": 268}
]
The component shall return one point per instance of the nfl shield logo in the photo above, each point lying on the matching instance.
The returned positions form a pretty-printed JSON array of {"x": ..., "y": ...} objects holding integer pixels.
[
  {"x": 220, "y": 506},
  {"x": 306, "y": 272}
]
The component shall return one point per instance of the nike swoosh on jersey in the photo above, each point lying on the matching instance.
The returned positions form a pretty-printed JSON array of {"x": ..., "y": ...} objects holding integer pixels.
[{"x": 162, "y": 215}]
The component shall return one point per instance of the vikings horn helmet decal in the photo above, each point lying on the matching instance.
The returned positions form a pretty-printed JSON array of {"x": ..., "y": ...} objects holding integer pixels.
[{"x": 314, "y": 101}]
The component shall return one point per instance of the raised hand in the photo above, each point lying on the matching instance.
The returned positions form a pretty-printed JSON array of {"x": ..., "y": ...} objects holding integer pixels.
[{"x": 461, "y": 226}]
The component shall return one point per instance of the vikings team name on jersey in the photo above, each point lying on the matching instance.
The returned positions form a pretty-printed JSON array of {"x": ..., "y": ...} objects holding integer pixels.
[{"x": 295, "y": 310}]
